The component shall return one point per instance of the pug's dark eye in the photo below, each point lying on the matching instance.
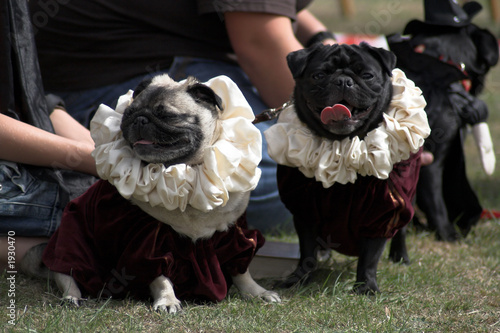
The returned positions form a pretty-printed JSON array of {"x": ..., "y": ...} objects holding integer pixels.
[
  {"x": 161, "y": 113},
  {"x": 318, "y": 76},
  {"x": 367, "y": 76}
]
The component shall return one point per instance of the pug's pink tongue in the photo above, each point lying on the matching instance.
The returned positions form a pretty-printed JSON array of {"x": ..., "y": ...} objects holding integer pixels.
[
  {"x": 143, "y": 142},
  {"x": 337, "y": 112}
]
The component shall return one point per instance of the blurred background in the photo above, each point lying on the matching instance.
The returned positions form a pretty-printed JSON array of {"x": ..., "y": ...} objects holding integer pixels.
[
  {"x": 389, "y": 16},
  {"x": 383, "y": 17}
]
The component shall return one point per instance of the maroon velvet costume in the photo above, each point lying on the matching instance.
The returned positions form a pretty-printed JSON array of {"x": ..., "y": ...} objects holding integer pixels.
[
  {"x": 370, "y": 207},
  {"x": 113, "y": 248}
]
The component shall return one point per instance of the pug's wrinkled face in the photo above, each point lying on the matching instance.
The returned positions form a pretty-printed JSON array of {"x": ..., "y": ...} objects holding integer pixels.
[
  {"x": 342, "y": 90},
  {"x": 170, "y": 122}
]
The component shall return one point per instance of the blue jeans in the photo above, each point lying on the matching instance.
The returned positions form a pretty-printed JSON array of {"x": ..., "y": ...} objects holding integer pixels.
[
  {"x": 265, "y": 212},
  {"x": 28, "y": 206}
]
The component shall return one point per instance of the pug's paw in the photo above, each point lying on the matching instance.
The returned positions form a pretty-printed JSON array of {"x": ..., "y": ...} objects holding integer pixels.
[
  {"x": 167, "y": 305},
  {"x": 71, "y": 300},
  {"x": 270, "y": 296},
  {"x": 164, "y": 296}
]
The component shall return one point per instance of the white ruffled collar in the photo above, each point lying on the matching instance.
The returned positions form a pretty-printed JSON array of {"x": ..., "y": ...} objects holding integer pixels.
[
  {"x": 230, "y": 164},
  {"x": 403, "y": 130}
]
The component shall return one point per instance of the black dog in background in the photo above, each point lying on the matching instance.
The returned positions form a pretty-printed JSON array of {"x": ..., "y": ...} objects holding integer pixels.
[{"x": 448, "y": 57}]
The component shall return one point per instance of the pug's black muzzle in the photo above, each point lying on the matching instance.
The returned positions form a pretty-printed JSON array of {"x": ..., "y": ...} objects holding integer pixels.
[
  {"x": 168, "y": 138},
  {"x": 343, "y": 105}
]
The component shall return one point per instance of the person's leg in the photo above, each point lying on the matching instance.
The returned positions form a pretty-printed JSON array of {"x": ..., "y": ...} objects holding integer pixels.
[
  {"x": 29, "y": 206},
  {"x": 30, "y": 212},
  {"x": 18, "y": 247},
  {"x": 265, "y": 212}
]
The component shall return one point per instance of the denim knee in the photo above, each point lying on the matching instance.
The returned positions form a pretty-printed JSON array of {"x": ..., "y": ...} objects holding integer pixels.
[{"x": 28, "y": 206}]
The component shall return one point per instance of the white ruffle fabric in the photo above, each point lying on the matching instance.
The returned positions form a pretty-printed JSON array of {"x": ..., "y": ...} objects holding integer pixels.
[
  {"x": 230, "y": 164},
  {"x": 402, "y": 132}
]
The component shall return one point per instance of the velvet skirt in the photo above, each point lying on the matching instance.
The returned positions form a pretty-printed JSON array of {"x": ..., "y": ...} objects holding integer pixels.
[
  {"x": 112, "y": 248},
  {"x": 344, "y": 214}
]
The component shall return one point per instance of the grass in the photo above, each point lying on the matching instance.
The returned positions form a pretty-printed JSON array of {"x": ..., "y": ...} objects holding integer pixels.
[{"x": 447, "y": 287}]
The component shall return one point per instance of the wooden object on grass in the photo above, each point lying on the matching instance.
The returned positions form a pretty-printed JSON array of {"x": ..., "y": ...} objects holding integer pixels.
[{"x": 275, "y": 260}]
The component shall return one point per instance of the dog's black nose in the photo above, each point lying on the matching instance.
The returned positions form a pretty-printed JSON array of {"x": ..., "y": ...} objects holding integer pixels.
[
  {"x": 345, "y": 81},
  {"x": 141, "y": 120}
]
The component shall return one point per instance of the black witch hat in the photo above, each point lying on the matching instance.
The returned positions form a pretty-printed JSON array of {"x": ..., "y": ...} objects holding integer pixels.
[{"x": 443, "y": 14}]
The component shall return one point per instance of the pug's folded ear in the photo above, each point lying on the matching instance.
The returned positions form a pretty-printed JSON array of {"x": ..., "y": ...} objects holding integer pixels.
[
  {"x": 141, "y": 86},
  {"x": 486, "y": 44},
  {"x": 298, "y": 60},
  {"x": 386, "y": 58},
  {"x": 203, "y": 93}
]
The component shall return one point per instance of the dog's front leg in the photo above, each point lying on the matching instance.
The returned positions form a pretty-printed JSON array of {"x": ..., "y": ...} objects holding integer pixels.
[
  {"x": 247, "y": 286},
  {"x": 431, "y": 200},
  {"x": 67, "y": 285},
  {"x": 370, "y": 253},
  {"x": 163, "y": 294},
  {"x": 398, "y": 251},
  {"x": 308, "y": 261}
]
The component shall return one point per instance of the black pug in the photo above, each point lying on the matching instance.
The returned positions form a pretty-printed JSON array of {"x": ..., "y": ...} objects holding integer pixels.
[
  {"x": 340, "y": 96},
  {"x": 448, "y": 58}
]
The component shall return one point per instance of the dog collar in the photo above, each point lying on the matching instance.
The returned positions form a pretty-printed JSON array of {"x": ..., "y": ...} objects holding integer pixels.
[
  {"x": 466, "y": 83},
  {"x": 403, "y": 130},
  {"x": 230, "y": 163}
]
